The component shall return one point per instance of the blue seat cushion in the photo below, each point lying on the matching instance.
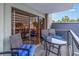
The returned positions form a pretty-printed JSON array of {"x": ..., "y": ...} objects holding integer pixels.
[
  {"x": 56, "y": 36},
  {"x": 59, "y": 37},
  {"x": 31, "y": 51}
]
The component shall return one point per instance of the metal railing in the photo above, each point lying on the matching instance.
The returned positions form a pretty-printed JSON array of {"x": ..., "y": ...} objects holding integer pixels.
[{"x": 72, "y": 41}]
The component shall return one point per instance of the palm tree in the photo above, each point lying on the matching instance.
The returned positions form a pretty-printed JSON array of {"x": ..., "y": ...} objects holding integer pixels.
[{"x": 65, "y": 19}]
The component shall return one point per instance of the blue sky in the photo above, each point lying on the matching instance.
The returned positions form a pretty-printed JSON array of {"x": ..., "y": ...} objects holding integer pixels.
[{"x": 71, "y": 13}]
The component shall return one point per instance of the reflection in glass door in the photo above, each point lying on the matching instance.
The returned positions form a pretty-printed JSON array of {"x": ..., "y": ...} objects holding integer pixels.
[
  {"x": 27, "y": 24},
  {"x": 34, "y": 29}
]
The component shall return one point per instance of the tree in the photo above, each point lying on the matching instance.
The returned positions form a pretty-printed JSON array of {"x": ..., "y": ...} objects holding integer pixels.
[
  {"x": 58, "y": 21},
  {"x": 65, "y": 19},
  {"x": 78, "y": 19},
  {"x": 72, "y": 20}
]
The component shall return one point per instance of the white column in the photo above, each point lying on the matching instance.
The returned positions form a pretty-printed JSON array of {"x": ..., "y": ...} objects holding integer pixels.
[
  {"x": 49, "y": 21},
  {"x": 7, "y": 26}
]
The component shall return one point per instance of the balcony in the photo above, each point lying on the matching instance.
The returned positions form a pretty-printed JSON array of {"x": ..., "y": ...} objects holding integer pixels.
[
  {"x": 70, "y": 33},
  {"x": 67, "y": 30},
  {"x": 72, "y": 48}
]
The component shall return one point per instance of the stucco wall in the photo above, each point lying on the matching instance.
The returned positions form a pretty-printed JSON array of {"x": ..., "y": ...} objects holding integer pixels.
[
  {"x": 72, "y": 26},
  {"x": 49, "y": 21}
]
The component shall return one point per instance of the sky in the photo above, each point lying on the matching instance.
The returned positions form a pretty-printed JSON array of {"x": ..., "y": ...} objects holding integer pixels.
[{"x": 71, "y": 13}]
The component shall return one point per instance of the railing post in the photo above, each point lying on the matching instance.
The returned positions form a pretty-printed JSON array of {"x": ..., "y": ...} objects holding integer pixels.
[
  {"x": 72, "y": 48},
  {"x": 68, "y": 43}
]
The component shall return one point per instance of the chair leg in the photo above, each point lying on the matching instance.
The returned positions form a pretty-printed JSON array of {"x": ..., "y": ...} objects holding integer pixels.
[
  {"x": 46, "y": 53},
  {"x": 59, "y": 52},
  {"x": 49, "y": 49},
  {"x": 46, "y": 48},
  {"x": 44, "y": 45}
]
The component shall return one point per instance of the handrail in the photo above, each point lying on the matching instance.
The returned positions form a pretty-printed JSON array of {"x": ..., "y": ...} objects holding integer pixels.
[
  {"x": 75, "y": 36},
  {"x": 74, "y": 40},
  {"x": 62, "y": 30}
]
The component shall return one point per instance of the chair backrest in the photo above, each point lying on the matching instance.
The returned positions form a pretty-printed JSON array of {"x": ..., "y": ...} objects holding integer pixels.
[
  {"x": 44, "y": 32},
  {"x": 51, "y": 31},
  {"x": 15, "y": 41}
]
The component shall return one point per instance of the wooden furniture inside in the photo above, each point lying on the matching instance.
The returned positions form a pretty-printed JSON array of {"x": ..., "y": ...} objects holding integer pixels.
[{"x": 27, "y": 24}]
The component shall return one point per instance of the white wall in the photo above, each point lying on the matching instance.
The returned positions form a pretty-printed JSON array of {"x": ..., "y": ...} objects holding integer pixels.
[
  {"x": 1, "y": 26},
  {"x": 7, "y": 26},
  {"x": 7, "y": 20},
  {"x": 49, "y": 21}
]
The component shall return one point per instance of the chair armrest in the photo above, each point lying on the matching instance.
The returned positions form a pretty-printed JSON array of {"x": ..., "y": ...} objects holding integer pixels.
[
  {"x": 20, "y": 49},
  {"x": 25, "y": 49},
  {"x": 14, "y": 52},
  {"x": 8, "y": 52}
]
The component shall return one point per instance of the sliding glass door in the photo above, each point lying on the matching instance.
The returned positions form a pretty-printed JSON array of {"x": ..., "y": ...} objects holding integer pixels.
[{"x": 27, "y": 24}]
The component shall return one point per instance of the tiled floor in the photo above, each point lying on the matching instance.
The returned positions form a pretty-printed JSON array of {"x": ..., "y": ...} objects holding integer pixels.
[{"x": 41, "y": 52}]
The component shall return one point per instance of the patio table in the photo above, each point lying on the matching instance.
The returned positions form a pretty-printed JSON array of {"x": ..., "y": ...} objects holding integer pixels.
[{"x": 55, "y": 42}]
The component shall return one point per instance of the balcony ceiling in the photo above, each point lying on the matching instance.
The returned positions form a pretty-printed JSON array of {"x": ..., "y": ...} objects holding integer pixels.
[{"x": 50, "y": 7}]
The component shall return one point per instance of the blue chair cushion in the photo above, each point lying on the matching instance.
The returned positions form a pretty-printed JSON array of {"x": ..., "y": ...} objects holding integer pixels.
[
  {"x": 31, "y": 47},
  {"x": 56, "y": 36},
  {"x": 59, "y": 37}
]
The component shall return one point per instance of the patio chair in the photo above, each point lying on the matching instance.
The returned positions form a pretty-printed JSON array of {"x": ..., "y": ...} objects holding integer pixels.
[
  {"x": 44, "y": 34},
  {"x": 52, "y": 33},
  {"x": 20, "y": 49}
]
